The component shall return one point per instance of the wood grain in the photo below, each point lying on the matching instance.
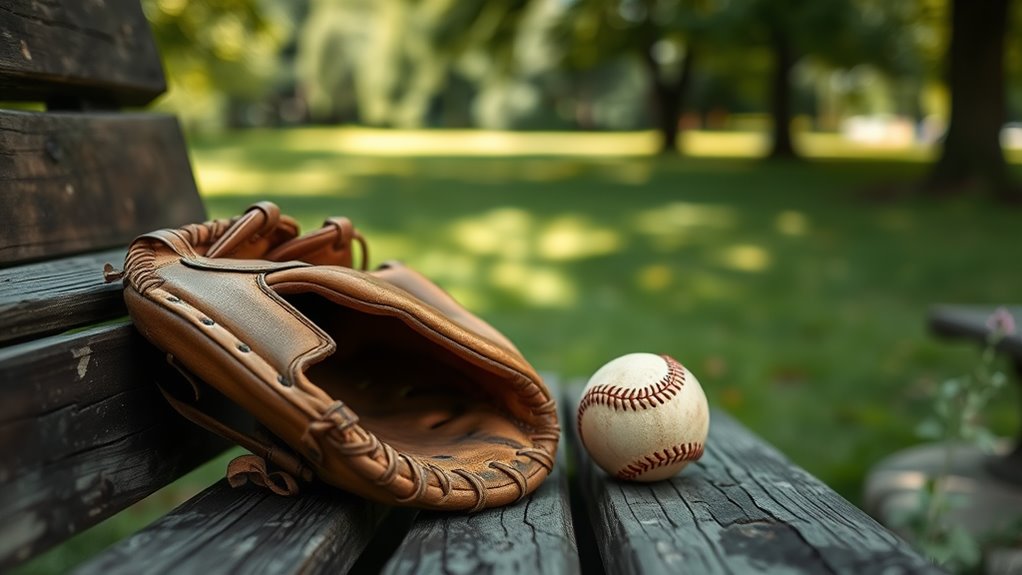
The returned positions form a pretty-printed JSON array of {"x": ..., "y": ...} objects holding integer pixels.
[
  {"x": 72, "y": 183},
  {"x": 98, "y": 50},
  {"x": 249, "y": 530},
  {"x": 535, "y": 535},
  {"x": 742, "y": 508},
  {"x": 53, "y": 296},
  {"x": 85, "y": 433}
]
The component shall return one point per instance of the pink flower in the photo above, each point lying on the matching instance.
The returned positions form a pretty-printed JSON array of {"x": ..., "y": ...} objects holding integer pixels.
[{"x": 1001, "y": 321}]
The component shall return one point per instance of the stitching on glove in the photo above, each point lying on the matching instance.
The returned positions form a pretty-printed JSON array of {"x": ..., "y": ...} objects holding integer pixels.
[
  {"x": 417, "y": 477},
  {"x": 540, "y": 456},
  {"x": 517, "y": 476},
  {"x": 390, "y": 458},
  {"x": 477, "y": 486},
  {"x": 443, "y": 479}
]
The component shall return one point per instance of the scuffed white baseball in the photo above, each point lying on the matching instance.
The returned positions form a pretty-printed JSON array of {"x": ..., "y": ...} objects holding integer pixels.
[{"x": 643, "y": 417}]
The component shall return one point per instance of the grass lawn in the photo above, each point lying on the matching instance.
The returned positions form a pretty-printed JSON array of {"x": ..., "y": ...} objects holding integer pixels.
[{"x": 798, "y": 302}]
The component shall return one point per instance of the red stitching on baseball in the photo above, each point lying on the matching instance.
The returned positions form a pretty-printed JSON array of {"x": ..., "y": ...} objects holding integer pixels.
[
  {"x": 683, "y": 452},
  {"x": 620, "y": 398}
]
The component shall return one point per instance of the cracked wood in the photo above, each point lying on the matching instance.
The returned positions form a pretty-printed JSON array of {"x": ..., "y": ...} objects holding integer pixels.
[
  {"x": 249, "y": 530},
  {"x": 742, "y": 508},
  {"x": 85, "y": 433},
  {"x": 99, "y": 51}
]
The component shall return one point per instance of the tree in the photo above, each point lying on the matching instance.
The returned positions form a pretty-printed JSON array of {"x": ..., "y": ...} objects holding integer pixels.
[
  {"x": 390, "y": 59},
  {"x": 217, "y": 52},
  {"x": 971, "y": 155},
  {"x": 834, "y": 32},
  {"x": 662, "y": 34}
]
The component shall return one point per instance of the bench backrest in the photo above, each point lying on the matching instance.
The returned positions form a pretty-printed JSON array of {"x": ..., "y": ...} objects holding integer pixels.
[{"x": 83, "y": 430}]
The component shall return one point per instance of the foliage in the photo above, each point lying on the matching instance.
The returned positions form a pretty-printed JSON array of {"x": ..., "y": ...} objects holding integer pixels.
[
  {"x": 956, "y": 420},
  {"x": 216, "y": 52},
  {"x": 386, "y": 62}
]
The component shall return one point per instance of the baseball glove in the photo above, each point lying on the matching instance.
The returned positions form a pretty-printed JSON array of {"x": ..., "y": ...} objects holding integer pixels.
[{"x": 376, "y": 382}]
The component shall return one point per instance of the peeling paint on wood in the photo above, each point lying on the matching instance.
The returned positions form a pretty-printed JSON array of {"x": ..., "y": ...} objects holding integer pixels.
[{"x": 83, "y": 355}]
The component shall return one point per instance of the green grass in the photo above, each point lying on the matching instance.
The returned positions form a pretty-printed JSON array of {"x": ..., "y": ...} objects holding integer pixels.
[{"x": 798, "y": 302}]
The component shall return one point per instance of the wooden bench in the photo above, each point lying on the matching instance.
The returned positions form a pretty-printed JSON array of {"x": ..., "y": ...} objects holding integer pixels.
[{"x": 84, "y": 432}]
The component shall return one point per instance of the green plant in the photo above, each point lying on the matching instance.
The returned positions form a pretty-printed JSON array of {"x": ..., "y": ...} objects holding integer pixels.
[{"x": 957, "y": 420}]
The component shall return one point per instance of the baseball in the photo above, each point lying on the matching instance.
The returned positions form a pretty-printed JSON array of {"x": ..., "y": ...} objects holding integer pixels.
[{"x": 643, "y": 417}]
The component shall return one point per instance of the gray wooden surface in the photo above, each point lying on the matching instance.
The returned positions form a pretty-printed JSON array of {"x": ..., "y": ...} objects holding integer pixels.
[
  {"x": 72, "y": 183},
  {"x": 535, "y": 535},
  {"x": 742, "y": 508},
  {"x": 249, "y": 530},
  {"x": 84, "y": 433},
  {"x": 67, "y": 49},
  {"x": 53, "y": 296}
]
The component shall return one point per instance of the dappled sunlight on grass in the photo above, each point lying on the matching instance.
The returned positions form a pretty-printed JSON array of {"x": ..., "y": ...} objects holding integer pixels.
[
  {"x": 655, "y": 278},
  {"x": 220, "y": 179},
  {"x": 381, "y": 142},
  {"x": 535, "y": 284},
  {"x": 674, "y": 225},
  {"x": 504, "y": 232},
  {"x": 792, "y": 223},
  {"x": 745, "y": 258},
  {"x": 574, "y": 237},
  {"x": 768, "y": 279},
  {"x": 365, "y": 142}
]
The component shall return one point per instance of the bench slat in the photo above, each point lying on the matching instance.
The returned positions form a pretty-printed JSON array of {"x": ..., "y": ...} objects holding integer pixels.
[
  {"x": 85, "y": 433},
  {"x": 56, "y": 295},
  {"x": 742, "y": 508},
  {"x": 533, "y": 536},
  {"x": 103, "y": 51},
  {"x": 83, "y": 182},
  {"x": 249, "y": 530}
]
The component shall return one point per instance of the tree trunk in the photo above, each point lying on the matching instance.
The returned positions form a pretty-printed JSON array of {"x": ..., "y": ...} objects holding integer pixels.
[
  {"x": 972, "y": 157},
  {"x": 668, "y": 98},
  {"x": 780, "y": 102}
]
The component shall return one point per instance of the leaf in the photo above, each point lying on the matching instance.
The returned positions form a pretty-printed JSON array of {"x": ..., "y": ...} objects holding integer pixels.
[
  {"x": 985, "y": 439},
  {"x": 963, "y": 547},
  {"x": 949, "y": 388},
  {"x": 930, "y": 428}
]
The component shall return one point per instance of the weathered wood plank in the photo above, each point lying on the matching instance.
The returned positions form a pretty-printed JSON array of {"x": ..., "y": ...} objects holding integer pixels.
[
  {"x": 248, "y": 530},
  {"x": 970, "y": 322},
  {"x": 56, "y": 295},
  {"x": 73, "y": 183},
  {"x": 742, "y": 508},
  {"x": 535, "y": 535},
  {"x": 85, "y": 433},
  {"x": 103, "y": 51}
]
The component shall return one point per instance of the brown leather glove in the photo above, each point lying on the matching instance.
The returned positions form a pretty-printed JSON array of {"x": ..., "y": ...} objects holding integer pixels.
[{"x": 376, "y": 382}]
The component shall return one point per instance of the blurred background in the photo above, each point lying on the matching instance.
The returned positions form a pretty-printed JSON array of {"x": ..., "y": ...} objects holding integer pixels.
[{"x": 772, "y": 191}]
